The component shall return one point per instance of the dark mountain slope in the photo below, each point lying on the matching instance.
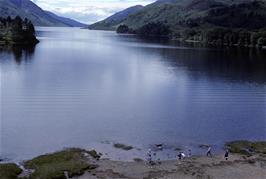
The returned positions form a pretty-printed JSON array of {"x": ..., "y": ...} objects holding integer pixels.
[
  {"x": 69, "y": 22},
  {"x": 27, "y": 9},
  {"x": 202, "y": 13},
  {"x": 215, "y": 22},
  {"x": 247, "y": 15},
  {"x": 111, "y": 22}
]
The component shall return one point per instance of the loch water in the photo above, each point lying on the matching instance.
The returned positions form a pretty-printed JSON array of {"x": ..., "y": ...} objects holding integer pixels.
[{"x": 82, "y": 88}]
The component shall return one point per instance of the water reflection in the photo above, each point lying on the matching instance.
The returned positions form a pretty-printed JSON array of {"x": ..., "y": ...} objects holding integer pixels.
[
  {"x": 243, "y": 65},
  {"x": 214, "y": 63},
  {"x": 20, "y": 53},
  {"x": 81, "y": 87}
]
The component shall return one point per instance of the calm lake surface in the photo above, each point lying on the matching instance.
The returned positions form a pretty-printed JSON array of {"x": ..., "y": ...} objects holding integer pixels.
[{"x": 81, "y": 88}]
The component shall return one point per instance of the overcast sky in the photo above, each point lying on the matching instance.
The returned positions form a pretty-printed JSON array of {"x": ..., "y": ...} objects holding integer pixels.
[{"x": 88, "y": 11}]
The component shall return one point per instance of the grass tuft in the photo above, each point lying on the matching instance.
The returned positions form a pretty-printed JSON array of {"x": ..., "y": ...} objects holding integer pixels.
[
  {"x": 94, "y": 154},
  {"x": 123, "y": 146},
  {"x": 9, "y": 171},
  {"x": 247, "y": 147}
]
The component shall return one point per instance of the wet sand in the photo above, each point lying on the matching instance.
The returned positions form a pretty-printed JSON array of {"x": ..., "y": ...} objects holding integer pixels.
[
  {"x": 238, "y": 166},
  {"x": 247, "y": 160}
]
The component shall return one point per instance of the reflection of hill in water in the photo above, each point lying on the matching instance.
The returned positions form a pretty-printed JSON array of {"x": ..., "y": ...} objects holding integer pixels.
[
  {"x": 235, "y": 64},
  {"x": 20, "y": 53}
]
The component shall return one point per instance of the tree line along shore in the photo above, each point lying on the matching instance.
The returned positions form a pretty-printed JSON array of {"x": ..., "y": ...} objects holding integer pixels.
[
  {"x": 17, "y": 31},
  {"x": 218, "y": 36}
]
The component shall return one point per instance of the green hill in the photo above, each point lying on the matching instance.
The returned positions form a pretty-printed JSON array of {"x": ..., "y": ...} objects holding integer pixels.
[
  {"x": 217, "y": 22},
  {"x": 247, "y": 14},
  {"x": 202, "y": 13}
]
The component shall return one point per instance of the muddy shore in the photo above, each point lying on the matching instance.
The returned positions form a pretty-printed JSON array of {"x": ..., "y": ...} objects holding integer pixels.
[
  {"x": 238, "y": 166},
  {"x": 246, "y": 160}
]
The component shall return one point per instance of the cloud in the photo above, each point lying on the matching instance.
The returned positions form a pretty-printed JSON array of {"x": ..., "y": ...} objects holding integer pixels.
[{"x": 88, "y": 11}]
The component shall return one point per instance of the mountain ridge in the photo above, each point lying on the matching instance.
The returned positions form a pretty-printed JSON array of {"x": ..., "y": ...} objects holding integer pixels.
[
  {"x": 110, "y": 23},
  {"x": 68, "y": 21},
  {"x": 249, "y": 14},
  {"x": 27, "y": 9},
  {"x": 197, "y": 13}
]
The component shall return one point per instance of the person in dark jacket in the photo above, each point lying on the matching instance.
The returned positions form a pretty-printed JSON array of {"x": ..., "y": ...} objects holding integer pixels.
[{"x": 226, "y": 155}]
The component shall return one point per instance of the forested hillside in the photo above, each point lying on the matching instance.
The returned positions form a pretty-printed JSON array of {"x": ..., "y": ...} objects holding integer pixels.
[{"x": 230, "y": 22}]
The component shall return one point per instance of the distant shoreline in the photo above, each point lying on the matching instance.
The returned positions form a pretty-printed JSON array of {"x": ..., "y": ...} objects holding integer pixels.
[
  {"x": 201, "y": 42},
  {"x": 188, "y": 41}
]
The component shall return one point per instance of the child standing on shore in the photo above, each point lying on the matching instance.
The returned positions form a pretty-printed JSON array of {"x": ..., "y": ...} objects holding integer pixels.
[{"x": 209, "y": 152}]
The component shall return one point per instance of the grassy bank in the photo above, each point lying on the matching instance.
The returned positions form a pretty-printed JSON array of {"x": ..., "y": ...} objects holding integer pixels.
[
  {"x": 9, "y": 171},
  {"x": 247, "y": 147},
  {"x": 69, "y": 162}
]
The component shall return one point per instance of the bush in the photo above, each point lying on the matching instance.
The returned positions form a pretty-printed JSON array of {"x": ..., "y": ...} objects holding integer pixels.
[
  {"x": 261, "y": 41},
  {"x": 122, "y": 29}
]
